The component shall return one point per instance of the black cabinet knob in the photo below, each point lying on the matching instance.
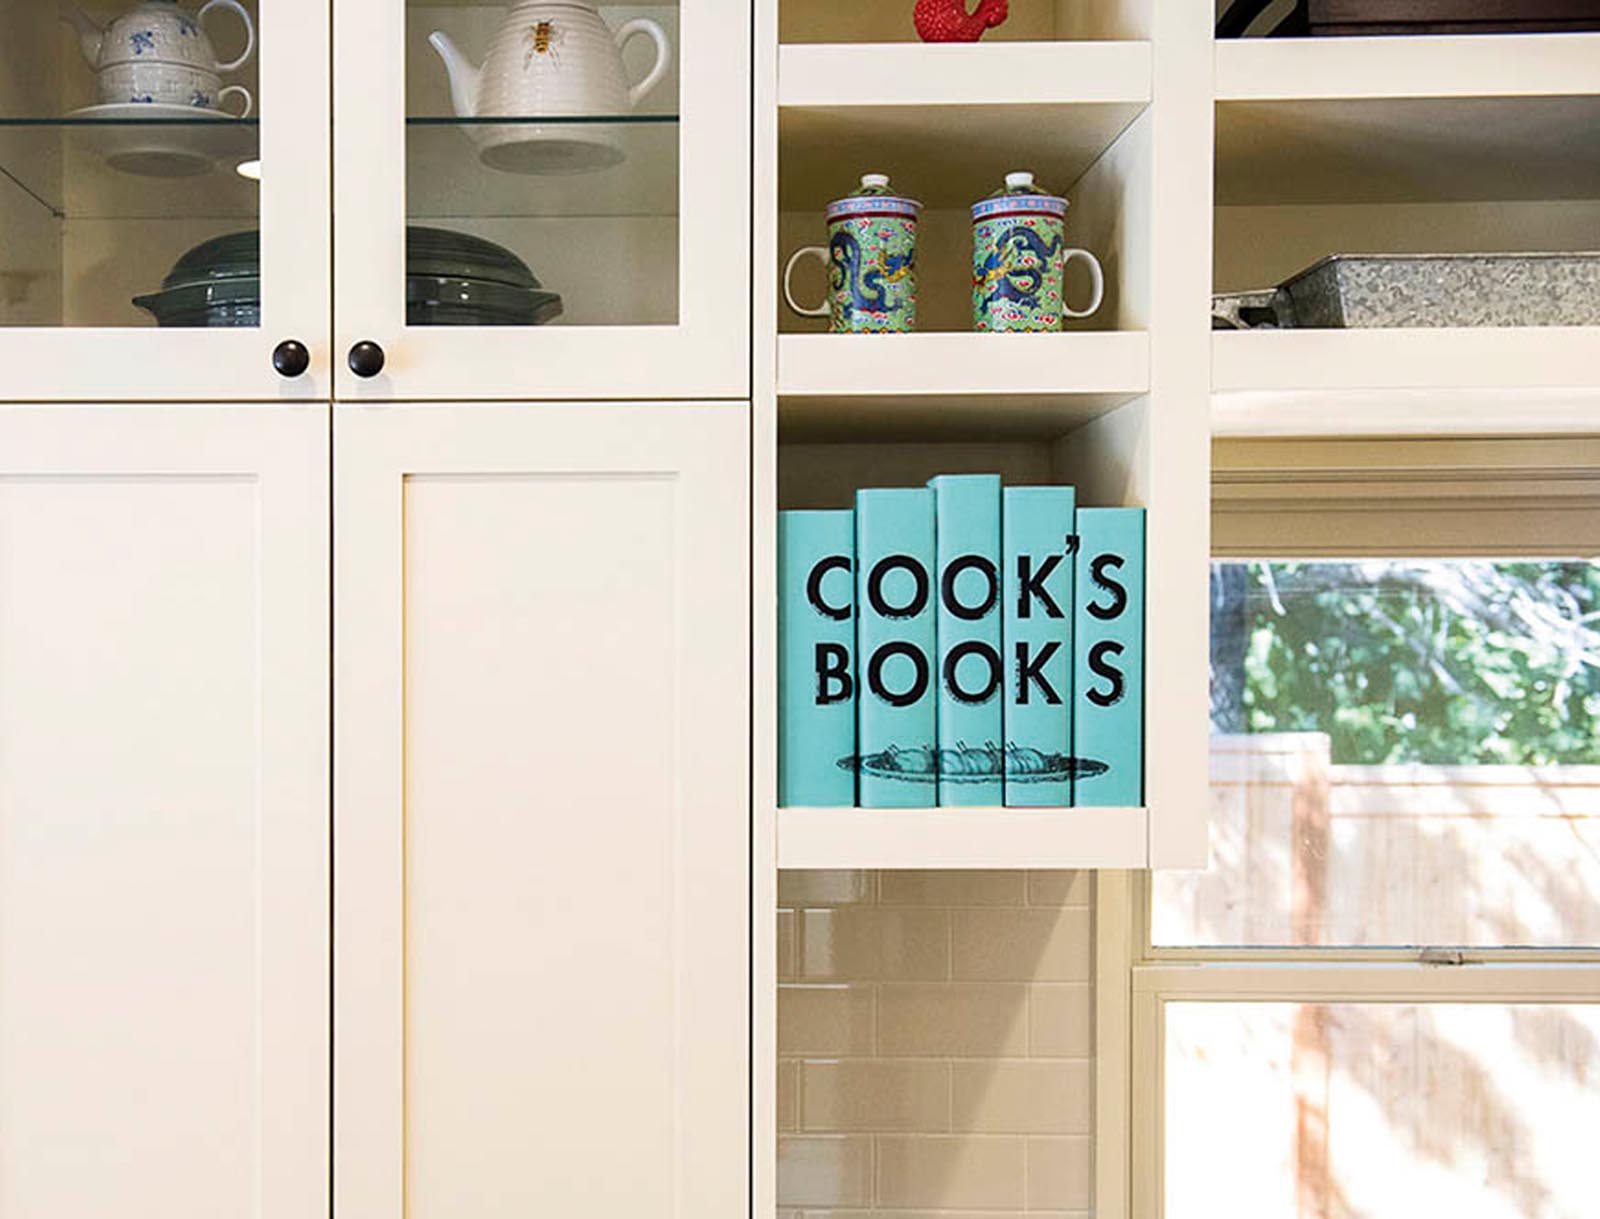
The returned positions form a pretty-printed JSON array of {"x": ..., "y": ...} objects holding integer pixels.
[
  {"x": 291, "y": 358},
  {"x": 366, "y": 359}
]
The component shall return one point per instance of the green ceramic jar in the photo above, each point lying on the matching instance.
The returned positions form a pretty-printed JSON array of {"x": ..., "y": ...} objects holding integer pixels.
[
  {"x": 871, "y": 260},
  {"x": 1019, "y": 260}
]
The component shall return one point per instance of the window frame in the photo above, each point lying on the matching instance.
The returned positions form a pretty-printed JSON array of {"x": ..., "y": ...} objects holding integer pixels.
[{"x": 1324, "y": 499}]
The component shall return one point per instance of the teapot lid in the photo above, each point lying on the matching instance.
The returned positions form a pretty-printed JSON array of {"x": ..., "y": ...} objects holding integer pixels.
[
  {"x": 873, "y": 198},
  {"x": 1020, "y": 195}
]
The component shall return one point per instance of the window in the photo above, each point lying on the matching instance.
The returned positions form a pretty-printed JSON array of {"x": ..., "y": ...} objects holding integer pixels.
[{"x": 1383, "y": 997}]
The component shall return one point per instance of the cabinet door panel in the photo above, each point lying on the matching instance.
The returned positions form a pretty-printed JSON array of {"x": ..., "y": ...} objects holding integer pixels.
[
  {"x": 163, "y": 812},
  {"x": 632, "y": 204},
  {"x": 542, "y": 717},
  {"x": 108, "y": 179}
]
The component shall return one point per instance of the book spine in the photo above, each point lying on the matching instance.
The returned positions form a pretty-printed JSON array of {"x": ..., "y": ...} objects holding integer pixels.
[
  {"x": 895, "y": 724},
  {"x": 970, "y": 672},
  {"x": 1037, "y": 528},
  {"x": 1109, "y": 660},
  {"x": 816, "y": 659}
]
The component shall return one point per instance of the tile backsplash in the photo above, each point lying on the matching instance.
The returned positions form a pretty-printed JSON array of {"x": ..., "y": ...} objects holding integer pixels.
[{"x": 935, "y": 1045}]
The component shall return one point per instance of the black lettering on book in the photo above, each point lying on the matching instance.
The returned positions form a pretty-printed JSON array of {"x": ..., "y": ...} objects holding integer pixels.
[
  {"x": 1031, "y": 673},
  {"x": 834, "y": 683},
  {"x": 834, "y": 562},
  {"x": 1101, "y": 667},
  {"x": 952, "y": 573},
  {"x": 919, "y": 596},
  {"x": 991, "y": 661},
  {"x": 1032, "y": 585},
  {"x": 919, "y": 685},
  {"x": 1119, "y": 594}
]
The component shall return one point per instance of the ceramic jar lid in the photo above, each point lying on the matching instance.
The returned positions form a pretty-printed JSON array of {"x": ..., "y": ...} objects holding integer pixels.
[
  {"x": 1020, "y": 196},
  {"x": 873, "y": 198}
]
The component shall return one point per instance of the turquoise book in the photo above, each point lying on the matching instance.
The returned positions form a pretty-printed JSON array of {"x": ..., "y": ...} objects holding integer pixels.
[
  {"x": 896, "y": 743},
  {"x": 970, "y": 672},
  {"x": 1108, "y": 700},
  {"x": 816, "y": 658},
  {"x": 1037, "y": 540}
]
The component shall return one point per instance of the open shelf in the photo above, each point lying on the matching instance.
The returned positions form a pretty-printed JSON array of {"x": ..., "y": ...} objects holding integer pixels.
[
  {"x": 914, "y": 111},
  {"x": 962, "y": 838},
  {"x": 446, "y": 179},
  {"x": 1408, "y": 149}
]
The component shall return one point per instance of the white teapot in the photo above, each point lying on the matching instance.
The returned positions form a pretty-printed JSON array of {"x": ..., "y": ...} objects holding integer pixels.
[
  {"x": 550, "y": 59},
  {"x": 157, "y": 53}
]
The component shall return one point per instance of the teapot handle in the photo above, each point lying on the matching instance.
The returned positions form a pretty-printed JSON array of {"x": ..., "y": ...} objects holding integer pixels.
[
  {"x": 249, "y": 31},
  {"x": 639, "y": 25}
]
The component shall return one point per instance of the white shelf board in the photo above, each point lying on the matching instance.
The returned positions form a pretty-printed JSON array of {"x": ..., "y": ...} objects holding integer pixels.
[
  {"x": 954, "y": 371},
  {"x": 1406, "y": 412},
  {"x": 915, "y": 112},
  {"x": 962, "y": 838},
  {"x": 964, "y": 74},
  {"x": 1408, "y": 149},
  {"x": 1477, "y": 65},
  {"x": 1466, "y": 358}
]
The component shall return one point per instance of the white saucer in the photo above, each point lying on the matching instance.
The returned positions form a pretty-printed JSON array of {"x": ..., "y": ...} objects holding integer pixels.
[{"x": 144, "y": 138}]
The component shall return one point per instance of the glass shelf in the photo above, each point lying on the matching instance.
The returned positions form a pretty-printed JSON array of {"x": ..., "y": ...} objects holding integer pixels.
[
  {"x": 158, "y": 169},
  {"x": 452, "y": 166}
]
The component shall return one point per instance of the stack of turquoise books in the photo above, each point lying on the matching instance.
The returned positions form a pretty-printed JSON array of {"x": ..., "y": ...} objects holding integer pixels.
[{"x": 962, "y": 644}]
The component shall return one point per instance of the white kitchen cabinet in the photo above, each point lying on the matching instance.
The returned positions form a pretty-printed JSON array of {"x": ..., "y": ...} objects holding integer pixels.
[
  {"x": 648, "y": 246},
  {"x": 164, "y": 860},
  {"x": 99, "y": 202},
  {"x": 542, "y": 929}
]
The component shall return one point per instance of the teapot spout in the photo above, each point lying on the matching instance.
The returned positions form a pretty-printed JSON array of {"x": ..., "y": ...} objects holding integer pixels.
[
  {"x": 90, "y": 36},
  {"x": 464, "y": 76}
]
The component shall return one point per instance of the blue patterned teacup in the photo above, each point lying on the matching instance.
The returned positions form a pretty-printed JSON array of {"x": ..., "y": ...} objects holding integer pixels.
[{"x": 871, "y": 260}]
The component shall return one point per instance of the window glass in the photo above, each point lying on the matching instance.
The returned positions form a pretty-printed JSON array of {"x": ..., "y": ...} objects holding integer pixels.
[
  {"x": 1406, "y": 752},
  {"x": 1383, "y": 1111}
]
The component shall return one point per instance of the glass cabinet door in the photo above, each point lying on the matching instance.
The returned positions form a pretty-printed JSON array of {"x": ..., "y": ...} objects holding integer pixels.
[
  {"x": 164, "y": 199},
  {"x": 548, "y": 199}
]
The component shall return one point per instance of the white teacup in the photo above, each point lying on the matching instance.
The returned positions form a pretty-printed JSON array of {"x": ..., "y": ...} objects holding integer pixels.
[{"x": 167, "y": 84}]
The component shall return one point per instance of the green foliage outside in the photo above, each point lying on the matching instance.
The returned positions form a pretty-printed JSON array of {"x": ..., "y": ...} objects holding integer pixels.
[{"x": 1438, "y": 662}]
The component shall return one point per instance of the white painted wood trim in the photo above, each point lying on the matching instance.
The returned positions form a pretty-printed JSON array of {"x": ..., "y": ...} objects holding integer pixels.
[
  {"x": 1371, "y": 982},
  {"x": 1406, "y": 412},
  {"x": 1504, "y": 65},
  {"x": 1113, "y": 1049},
  {"x": 973, "y": 74},
  {"x": 1074, "y": 362},
  {"x": 1467, "y": 358},
  {"x": 965, "y": 838}
]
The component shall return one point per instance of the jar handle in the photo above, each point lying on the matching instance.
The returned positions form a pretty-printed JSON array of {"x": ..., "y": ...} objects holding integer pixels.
[
  {"x": 1097, "y": 278},
  {"x": 820, "y": 253},
  {"x": 643, "y": 25},
  {"x": 249, "y": 31}
]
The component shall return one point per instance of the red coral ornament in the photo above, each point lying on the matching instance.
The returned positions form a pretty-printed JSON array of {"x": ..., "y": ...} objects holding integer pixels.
[{"x": 949, "y": 21}]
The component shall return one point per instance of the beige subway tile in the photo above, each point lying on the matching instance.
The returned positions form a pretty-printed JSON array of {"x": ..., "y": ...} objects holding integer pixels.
[
  {"x": 1022, "y": 1097},
  {"x": 953, "y": 1173},
  {"x": 939, "y": 1214},
  {"x": 1061, "y": 1021},
  {"x": 875, "y": 1095},
  {"x": 1060, "y": 1173},
  {"x": 1022, "y": 945},
  {"x": 824, "y": 888},
  {"x": 826, "y": 1019},
  {"x": 952, "y": 1020},
  {"x": 788, "y": 930},
  {"x": 955, "y": 888},
  {"x": 873, "y": 943},
  {"x": 1061, "y": 888},
  {"x": 788, "y": 1094},
  {"x": 824, "y": 1170}
]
